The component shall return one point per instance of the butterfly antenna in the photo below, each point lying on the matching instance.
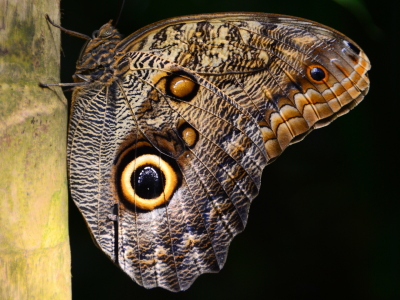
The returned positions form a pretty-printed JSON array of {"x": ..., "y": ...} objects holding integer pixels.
[
  {"x": 70, "y": 32},
  {"x": 121, "y": 7}
]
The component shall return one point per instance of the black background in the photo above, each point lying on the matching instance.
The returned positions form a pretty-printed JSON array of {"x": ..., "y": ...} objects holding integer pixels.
[{"x": 325, "y": 224}]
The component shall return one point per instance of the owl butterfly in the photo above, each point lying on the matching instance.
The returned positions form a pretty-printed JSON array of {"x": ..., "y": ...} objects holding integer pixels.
[{"x": 172, "y": 127}]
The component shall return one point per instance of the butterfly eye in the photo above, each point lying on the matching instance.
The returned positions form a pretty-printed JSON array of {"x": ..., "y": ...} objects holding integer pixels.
[
  {"x": 317, "y": 73},
  {"x": 106, "y": 33},
  {"x": 148, "y": 181},
  {"x": 181, "y": 87}
]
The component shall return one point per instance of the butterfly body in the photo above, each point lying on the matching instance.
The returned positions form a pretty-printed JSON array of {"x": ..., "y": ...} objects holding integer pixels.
[{"x": 172, "y": 127}]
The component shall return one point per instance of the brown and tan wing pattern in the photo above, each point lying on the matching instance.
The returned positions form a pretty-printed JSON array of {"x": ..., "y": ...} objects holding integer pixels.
[{"x": 173, "y": 126}]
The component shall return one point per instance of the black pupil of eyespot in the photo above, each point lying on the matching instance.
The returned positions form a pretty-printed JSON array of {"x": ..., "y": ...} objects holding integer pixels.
[
  {"x": 317, "y": 74},
  {"x": 148, "y": 182}
]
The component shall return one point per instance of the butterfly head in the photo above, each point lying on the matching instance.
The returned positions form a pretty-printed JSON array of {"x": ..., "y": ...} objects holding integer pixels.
[{"x": 97, "y": 55}]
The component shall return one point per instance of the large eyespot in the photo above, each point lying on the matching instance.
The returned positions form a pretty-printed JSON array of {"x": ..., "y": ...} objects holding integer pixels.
[
  {"x": 144, "y": 179},
  {"x": 181, "y": 86},
  {"x": 317, "y": 73},
  {"x": 148, "y": 181},
  {"x": 188, "y": 134}
]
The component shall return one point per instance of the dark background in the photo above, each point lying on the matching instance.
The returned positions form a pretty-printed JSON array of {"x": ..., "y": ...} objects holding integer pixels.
[{"x": 325, "y": 224}]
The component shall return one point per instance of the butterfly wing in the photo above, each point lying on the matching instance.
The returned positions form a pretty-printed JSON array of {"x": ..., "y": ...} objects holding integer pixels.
[
  {"x": 167, "y": 156},
  {"x": 264, "y": 62}
]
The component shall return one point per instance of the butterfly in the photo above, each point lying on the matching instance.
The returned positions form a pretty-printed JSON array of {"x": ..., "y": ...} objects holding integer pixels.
[{"x": 172, "y": 126}]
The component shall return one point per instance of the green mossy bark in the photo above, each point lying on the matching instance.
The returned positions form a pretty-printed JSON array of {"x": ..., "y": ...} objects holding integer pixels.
[{"x": 34, "y": 245}]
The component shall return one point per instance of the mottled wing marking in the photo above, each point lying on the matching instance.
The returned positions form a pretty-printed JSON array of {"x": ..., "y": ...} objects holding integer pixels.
[
  {"x": 253, "y": 98},
  {"x": 294, "y": 105},
  {"x": 221, "y": 174}
]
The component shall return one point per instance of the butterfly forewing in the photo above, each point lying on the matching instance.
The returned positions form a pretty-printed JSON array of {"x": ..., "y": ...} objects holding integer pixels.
[{"x": 169, "y": 138}]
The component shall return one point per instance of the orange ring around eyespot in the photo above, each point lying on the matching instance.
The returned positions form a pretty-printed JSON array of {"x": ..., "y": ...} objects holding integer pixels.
[
  {"x": 171, "y": 180},
  {"x": 309, "y": 68}
]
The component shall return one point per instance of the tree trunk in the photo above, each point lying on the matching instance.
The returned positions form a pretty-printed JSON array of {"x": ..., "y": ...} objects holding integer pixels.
[{"x": 34, "y": 245}]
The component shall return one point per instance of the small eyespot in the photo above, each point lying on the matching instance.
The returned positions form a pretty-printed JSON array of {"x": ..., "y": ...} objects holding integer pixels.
[
  {"x": 188, "y": 134},
  {"x": 181, "y": 87},
  {"x": 317, "y": 73}
]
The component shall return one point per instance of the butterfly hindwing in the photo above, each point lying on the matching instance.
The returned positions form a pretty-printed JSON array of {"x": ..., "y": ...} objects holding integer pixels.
[{"x": 219, "y": 171}]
